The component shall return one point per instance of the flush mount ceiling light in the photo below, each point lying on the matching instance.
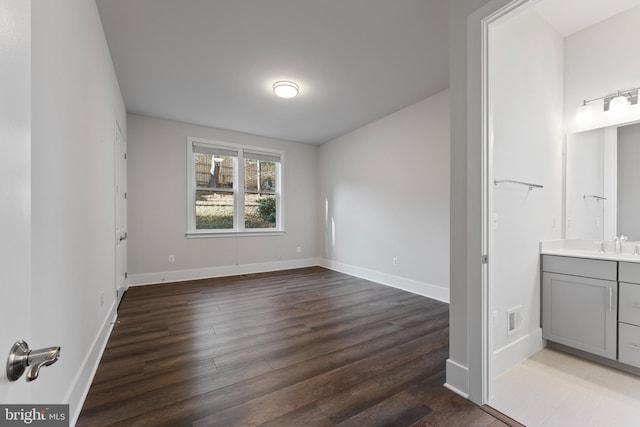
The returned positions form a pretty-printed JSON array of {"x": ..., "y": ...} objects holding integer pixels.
[
  {"x": 285, "y": 89},
  {"x": 616, "y": 103}
]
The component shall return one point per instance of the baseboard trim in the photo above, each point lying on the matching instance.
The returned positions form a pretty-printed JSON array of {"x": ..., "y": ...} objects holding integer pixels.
[
  {"x": 416, "y": 287},
  {"x": 457, "y": 378},
  {"x": 520, "y": 350},
  {"x": 211, "y": 272},
  {"x": 82, "y": 382},
  {"x": 420, "y": 288}
]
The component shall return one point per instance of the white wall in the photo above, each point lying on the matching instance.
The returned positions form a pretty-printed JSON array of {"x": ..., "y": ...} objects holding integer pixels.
[
  {"x": 600, "y": 60},
  {"x": 597, "y": 62},
  {"x": 628, "y": 174},
  {"x": 75, "y": 104},
  {"x": 526, "y": 106},
  {"x": 157, "y": 208},
  {"x": 384, "y": 193}
]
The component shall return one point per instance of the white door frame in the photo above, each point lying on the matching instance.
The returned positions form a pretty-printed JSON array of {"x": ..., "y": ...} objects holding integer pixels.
[
  {"x": 488, "y": 192},
  {"x": 120, "y": 194}
]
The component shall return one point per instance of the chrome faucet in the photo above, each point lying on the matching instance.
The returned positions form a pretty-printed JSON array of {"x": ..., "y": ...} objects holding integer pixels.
[
  {"x": 22, "y": 359},
  {"x": 618, "y": 241},
  {"x": 601, "y": 247}
]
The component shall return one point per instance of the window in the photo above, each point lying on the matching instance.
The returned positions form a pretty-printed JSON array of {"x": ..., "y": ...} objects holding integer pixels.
[{"x": 233, "y": 188}]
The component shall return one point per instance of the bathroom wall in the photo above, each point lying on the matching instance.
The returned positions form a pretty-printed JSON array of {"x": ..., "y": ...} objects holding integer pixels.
[
  {"x": 526, "y": 105},
  {"x": 600, "y": 60}
]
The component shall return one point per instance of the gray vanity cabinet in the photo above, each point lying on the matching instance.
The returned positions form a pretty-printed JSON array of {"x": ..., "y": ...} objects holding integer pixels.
[
  {"x": 579, "y": 303},
  {"x": 629, "y": 314}
]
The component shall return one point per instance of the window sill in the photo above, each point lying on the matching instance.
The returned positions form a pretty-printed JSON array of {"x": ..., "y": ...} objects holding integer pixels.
[{"x": 210, "y": 234}]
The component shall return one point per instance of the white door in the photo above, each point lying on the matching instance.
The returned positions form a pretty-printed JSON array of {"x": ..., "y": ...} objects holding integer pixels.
[
  {"x": 15, "y": 189},
  {"x": 121, "y": 212}
]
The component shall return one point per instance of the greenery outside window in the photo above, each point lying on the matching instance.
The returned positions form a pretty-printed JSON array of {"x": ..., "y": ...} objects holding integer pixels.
[{"x": 233, "y": 189}]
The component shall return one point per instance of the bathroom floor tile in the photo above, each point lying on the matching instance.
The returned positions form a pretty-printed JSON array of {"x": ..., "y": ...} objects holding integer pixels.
[{"x": 556, "y": 389}]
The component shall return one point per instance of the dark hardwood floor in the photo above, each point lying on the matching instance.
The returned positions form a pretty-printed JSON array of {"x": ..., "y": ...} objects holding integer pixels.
[{"x": 306, "y": 347}]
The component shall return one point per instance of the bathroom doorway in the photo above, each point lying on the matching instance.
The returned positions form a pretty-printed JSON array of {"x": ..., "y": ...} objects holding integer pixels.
[{"x": 524, "y": 52}]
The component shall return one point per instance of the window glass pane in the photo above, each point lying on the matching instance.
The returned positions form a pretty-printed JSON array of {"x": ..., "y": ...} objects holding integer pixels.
[
  {"x": 259, "y": 176},
  {"x": 214, "y": 171},
  {"x": 214, "y": 210},
  {"x": 260, "y": 211}
]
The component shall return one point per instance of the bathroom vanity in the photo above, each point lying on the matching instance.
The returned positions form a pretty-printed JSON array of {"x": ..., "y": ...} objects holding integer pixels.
[{"x": 591, "y": 301}]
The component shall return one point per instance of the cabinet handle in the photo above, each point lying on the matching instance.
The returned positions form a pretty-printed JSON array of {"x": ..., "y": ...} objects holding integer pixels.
[
  {"x": 610, "y": 300},
  {"x": 634, "y": 346},
  {"x": 636, "y": 305}
]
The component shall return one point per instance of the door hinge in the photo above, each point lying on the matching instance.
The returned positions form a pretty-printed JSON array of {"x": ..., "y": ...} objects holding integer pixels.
[
  {"x": 126, "y": 274},
  {"x": 125, "y": 156},
  {"x": 485, "y": 259},
  {"x": 125, "y": 196}
]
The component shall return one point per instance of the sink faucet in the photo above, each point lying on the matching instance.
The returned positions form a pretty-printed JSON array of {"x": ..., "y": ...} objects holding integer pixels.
[{"x": 617, "y": 243}]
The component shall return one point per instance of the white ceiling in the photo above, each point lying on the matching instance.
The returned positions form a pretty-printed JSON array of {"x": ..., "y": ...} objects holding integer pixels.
[
  {"x": 212, "y": 62},
  {"x": 571, "y": 16}
]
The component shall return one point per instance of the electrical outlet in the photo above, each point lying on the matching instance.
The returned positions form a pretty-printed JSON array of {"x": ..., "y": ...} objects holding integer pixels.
[
  {"x": 172, "y": 258},
  {"x": 395, "y": 260}
]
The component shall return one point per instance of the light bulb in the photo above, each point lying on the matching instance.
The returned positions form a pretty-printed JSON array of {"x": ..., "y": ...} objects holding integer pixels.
[
  {"x": 584, "y": 114},
  {"x": 619, "y": 104}
]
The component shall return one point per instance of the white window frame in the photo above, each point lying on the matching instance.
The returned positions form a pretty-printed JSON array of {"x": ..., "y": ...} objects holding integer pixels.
[{"x": 238, "y": 191}]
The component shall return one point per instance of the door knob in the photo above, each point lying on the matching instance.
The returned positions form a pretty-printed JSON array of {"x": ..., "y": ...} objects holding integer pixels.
[{"x": 22, "y": 359}]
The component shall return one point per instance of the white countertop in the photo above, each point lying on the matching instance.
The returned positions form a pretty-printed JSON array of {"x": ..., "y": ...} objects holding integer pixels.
[{"x": 589, "y": 249}]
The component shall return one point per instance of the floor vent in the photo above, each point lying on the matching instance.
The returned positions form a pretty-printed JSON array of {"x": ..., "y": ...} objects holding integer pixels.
[{"x": 514, "y": 320}]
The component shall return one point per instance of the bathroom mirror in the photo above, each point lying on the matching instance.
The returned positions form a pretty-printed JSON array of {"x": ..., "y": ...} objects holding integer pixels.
[{"x": 602, "y": 192}]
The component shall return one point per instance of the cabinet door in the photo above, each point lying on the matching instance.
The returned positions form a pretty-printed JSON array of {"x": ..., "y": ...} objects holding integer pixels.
[{"x": 580, "y": 312}]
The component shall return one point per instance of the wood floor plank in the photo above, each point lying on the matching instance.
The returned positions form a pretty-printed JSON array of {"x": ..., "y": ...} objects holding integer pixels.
[
  {"x": 308, "y": 347},
  {"x": 335, "y": 386}
]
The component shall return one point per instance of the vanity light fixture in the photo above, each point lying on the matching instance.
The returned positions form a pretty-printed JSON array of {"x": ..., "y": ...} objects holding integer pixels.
[
  {"x": 615, "y": 103},
  {"x": 619, "y": 103},
  {"x": 584, "y": 114},
  {"x": 286, "y": 89}
]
